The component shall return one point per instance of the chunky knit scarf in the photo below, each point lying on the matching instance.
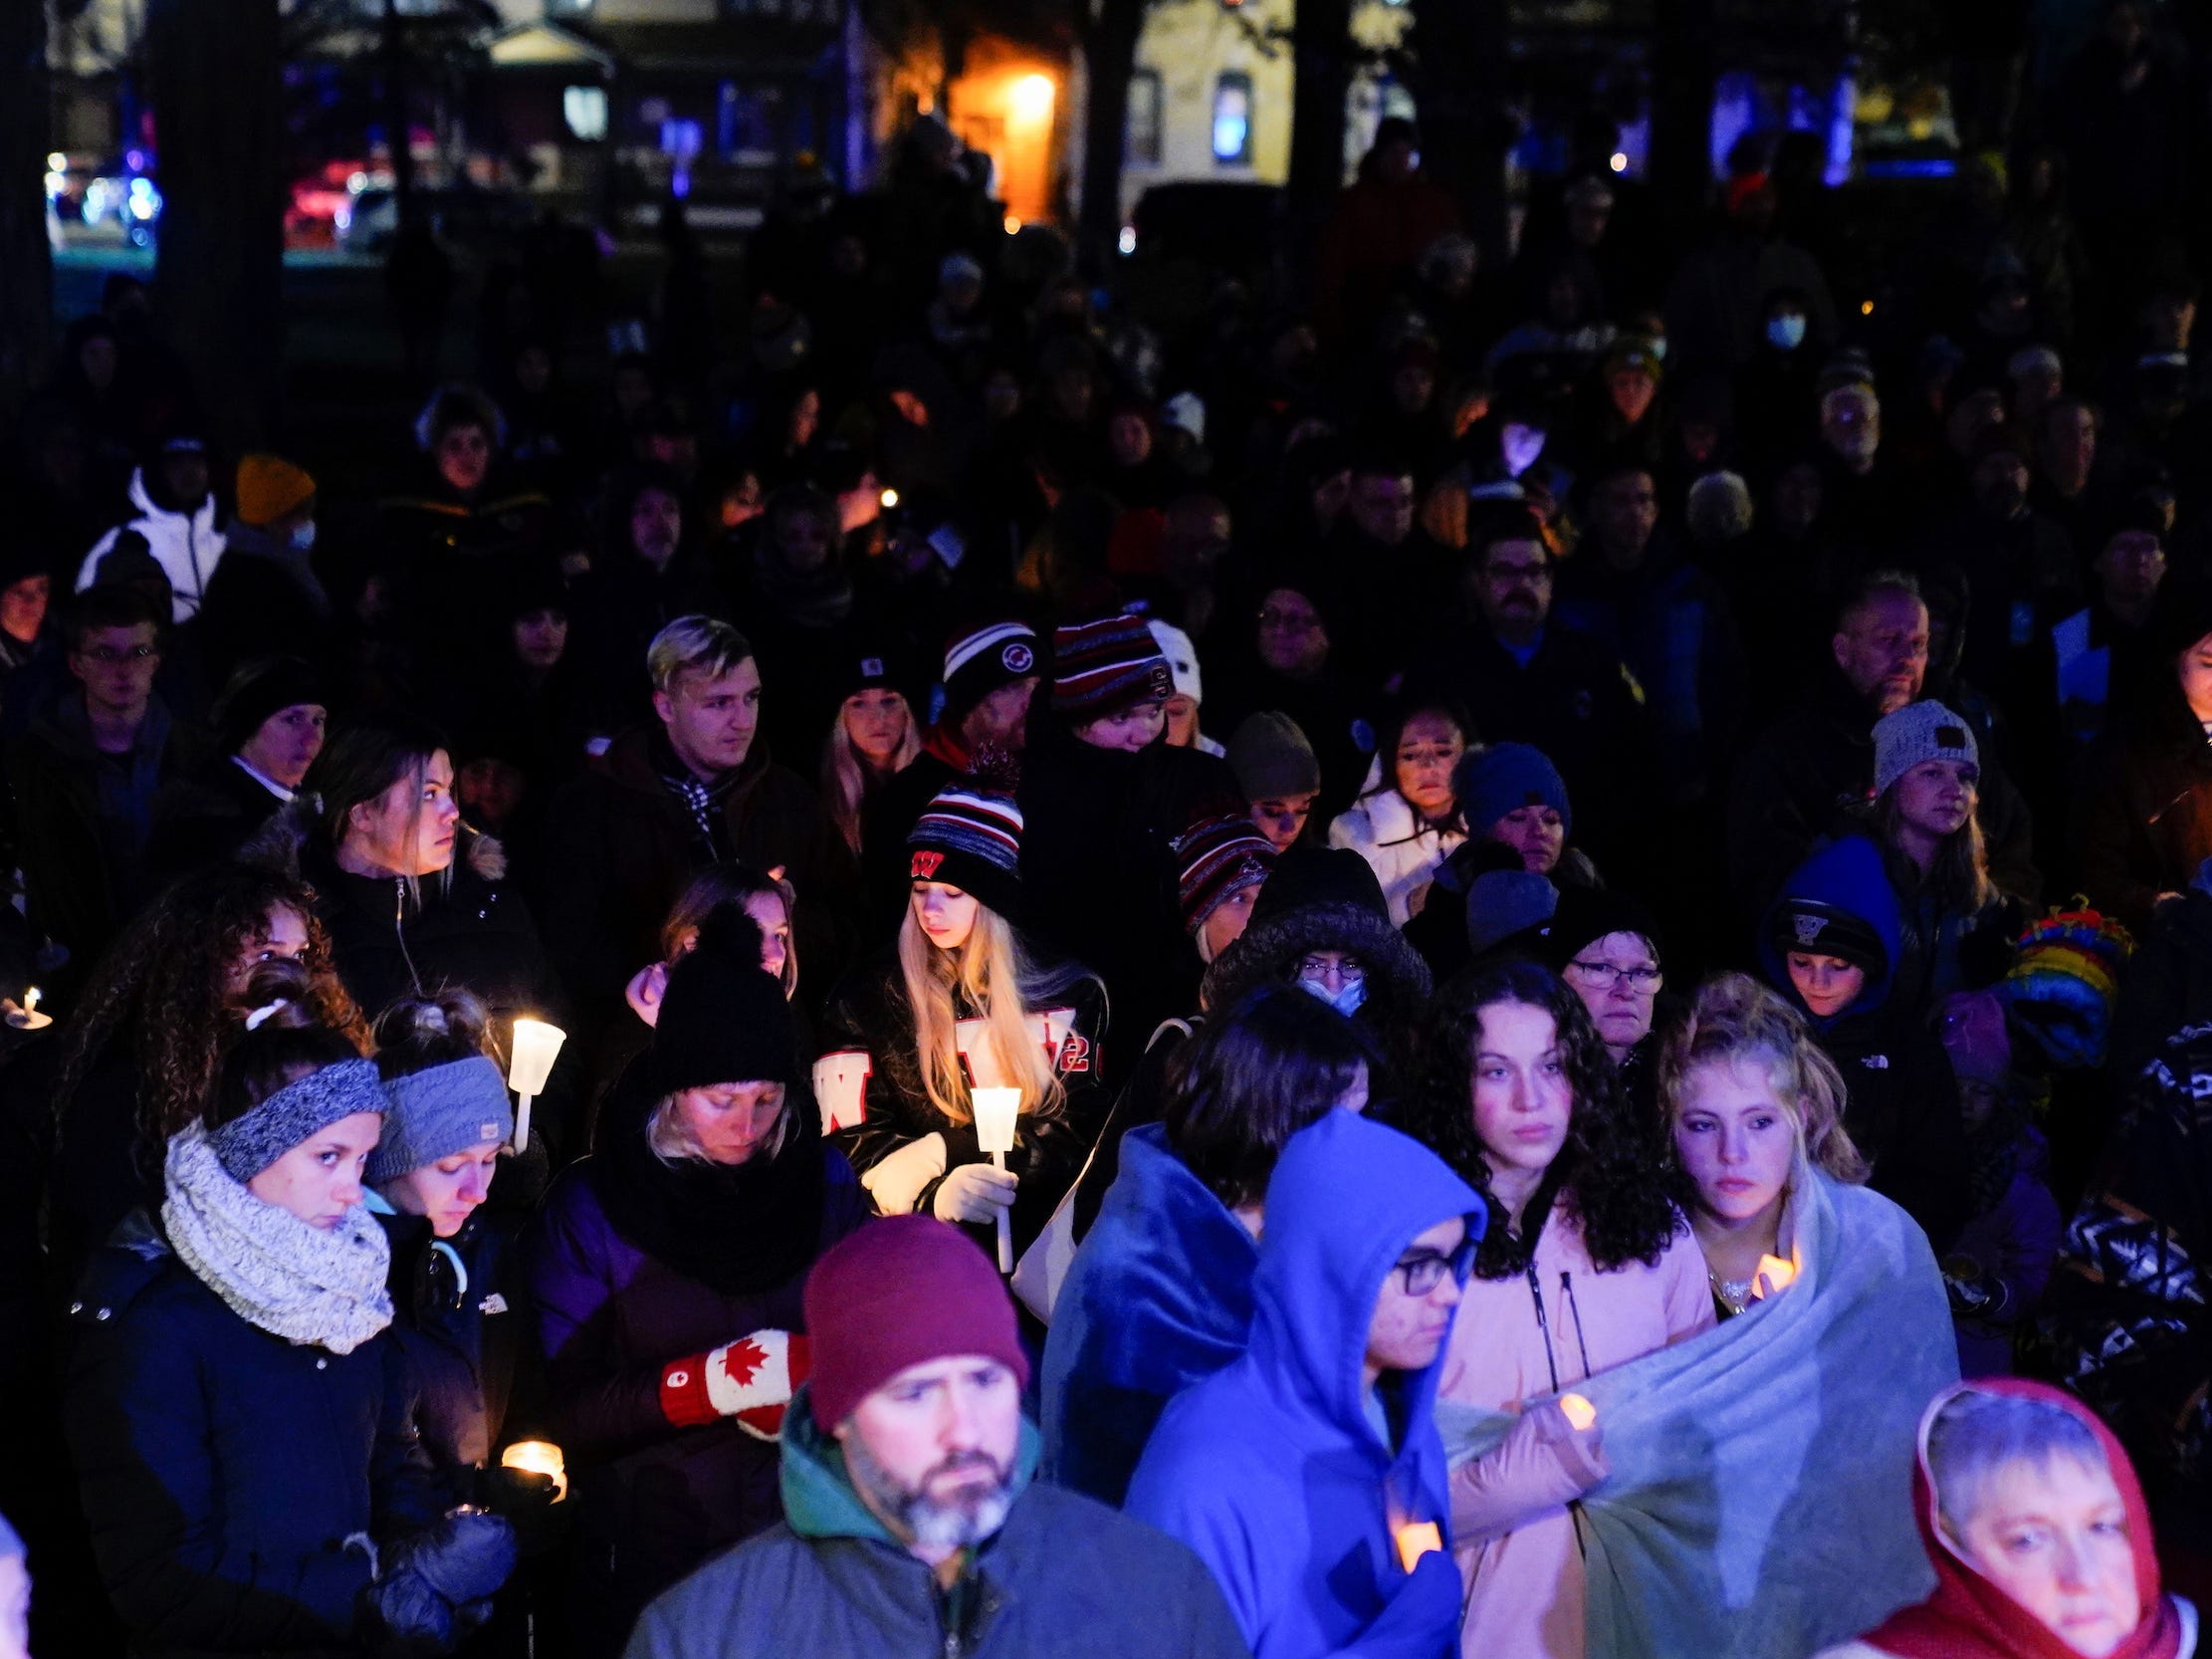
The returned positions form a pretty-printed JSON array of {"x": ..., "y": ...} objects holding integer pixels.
[{"x": 302, "y": 1283}]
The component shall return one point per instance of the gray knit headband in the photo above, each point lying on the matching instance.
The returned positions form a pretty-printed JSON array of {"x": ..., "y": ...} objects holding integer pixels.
[
  {"x": 250, "y": 1144},
  {"x": 459, "y": 1106}
]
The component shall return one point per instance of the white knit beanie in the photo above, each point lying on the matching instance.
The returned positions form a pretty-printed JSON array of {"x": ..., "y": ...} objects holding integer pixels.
[{"x": 1919, "y": 732}]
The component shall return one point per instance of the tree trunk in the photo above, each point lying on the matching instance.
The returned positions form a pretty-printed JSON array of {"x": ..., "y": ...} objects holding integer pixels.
[
  {"x": 1685, "y": 74},
  {"x": 1321, "y": 41},
  {"x": 26, "y": 264},
  {"x": 1457, "y": 68},
  {"x": 1109, "y": 60},
  {"x": 216, "y": 70}
]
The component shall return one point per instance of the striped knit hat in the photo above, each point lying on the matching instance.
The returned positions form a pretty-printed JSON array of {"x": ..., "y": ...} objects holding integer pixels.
[
  {"x": 1218, "y": 857},
  {"x": 1102, "y": 666},
  {"x": 984, "y": 660},
  {"x": 970, "y": 836}
]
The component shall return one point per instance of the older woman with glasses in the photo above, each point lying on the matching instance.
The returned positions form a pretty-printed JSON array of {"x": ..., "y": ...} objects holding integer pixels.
[{"x": 1606, "y": 947}]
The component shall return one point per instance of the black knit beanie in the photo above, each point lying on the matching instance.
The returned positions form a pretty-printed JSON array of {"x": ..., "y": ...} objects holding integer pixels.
[{"x": 723, "y": 1018}]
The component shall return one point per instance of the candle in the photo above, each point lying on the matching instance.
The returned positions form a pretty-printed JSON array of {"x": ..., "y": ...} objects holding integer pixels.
[
  {"x": 995, "y": 1110},
  {"x": 538, "y": 1456},
  {"x": 31, "y": 1000},
  {"x": 1578, "y": 1411},
  {"x": 1774, "y": 1276},
  {"x": 1414, "y": 1540},
  {"x": 530, "y": 1062},
  {"x": 27, "y": 1017}
]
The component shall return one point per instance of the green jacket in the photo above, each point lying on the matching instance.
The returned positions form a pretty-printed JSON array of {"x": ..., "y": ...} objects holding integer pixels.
[{"x": 1063, "y": 1579}]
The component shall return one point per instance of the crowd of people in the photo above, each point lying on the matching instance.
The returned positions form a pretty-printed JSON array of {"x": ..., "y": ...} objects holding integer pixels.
[{"x": 1516, "y": 962}]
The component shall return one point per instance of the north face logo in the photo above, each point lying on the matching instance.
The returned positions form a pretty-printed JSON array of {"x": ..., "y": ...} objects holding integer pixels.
[
  {"x": 1017, "y": 658},
  {"x": 926, "y": 864},
  {"x": 1809, "y": 928}
]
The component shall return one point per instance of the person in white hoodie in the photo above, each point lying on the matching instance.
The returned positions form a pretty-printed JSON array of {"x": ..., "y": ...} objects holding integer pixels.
[
  {"x": 177, "y": 520},
  {"x": 1405, "y": 822}
]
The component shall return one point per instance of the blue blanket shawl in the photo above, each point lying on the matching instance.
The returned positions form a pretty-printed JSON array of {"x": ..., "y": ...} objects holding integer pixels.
[{"x": 1760, "y": 1500}]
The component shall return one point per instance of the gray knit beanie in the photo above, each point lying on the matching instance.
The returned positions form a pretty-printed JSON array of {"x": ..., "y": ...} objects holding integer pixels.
[
  {"x": 1919, "y": 732},
  {"x": 1272, "y": 759},
  {"x": 249, "y": 1144},
  {"x": 460, "y": 1106}
]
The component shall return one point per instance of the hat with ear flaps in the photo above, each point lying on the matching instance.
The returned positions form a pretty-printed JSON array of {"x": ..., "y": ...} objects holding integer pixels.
[
  {"x": 1318, "y": 898},
  {"x": 723, "y": 1018}
]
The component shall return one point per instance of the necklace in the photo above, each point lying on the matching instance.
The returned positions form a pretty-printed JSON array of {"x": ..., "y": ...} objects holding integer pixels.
[{"x": 1733, "y": 1294}]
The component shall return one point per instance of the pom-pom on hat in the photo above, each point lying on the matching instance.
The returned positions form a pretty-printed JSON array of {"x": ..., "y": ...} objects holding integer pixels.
[
  {"x": 1918, "y": 732},
  {"x": 970, "y": 836},
  {"x": 1218, "y": 857},
  {"x": 901, "y": 1292},
  {"x": 1102, "y": 666}
]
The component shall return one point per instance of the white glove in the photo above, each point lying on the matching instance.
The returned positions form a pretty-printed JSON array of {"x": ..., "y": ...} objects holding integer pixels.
[
  {"x": 974, "y": 1192},
  {"x": 896, "y": 1180}
]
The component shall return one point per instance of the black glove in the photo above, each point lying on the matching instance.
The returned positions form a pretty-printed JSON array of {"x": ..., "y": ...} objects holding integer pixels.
[
  {"x": 415, "y": 1617},
  {"x": 525, "y": 1501},
  {"x": 465, "y": 1557}
]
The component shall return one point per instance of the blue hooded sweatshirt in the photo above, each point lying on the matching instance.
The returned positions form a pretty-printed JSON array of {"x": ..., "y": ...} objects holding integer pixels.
[
  {"x": 1843, "y": 882},
  {"x": 1272, "y": 1469},
  {"x": 1160, "y": 1296}
]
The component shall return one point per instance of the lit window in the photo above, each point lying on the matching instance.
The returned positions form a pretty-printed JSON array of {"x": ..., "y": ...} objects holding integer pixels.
[
  {"x": 1232, "y": 119},
  {"x": 585, "y": 109}
]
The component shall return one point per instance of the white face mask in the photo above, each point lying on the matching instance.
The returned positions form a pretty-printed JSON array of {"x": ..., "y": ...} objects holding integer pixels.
[
  {"x": 1346, "y": 1002},
  {"x": 1520, "y": 446},
  {"x": 302, "y": 537}
]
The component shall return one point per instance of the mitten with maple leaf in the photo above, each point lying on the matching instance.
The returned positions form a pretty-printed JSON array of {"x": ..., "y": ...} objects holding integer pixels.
[{"x": 749, "y": 1379}]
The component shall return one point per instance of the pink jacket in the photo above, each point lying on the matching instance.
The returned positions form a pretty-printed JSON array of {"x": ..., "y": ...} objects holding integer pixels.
[{"x": 1513, "y": 1531}]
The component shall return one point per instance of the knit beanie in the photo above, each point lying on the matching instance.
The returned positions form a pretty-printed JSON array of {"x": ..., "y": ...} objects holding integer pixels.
[
  {"x": 460, "y": 1106},
  {"x": 970, "y": 836},
  {"x": 982, "y": 660},
  {"x": 1925, "y": 731},
  {"x": 261, "y": 689},
  {"x": 1492, "y": 781},
  {"x": 1103, "y": 666},
  {"x": 1588, "y": 914},
  {"x": 269, "y": 486},
  {"x": 2064, "y": 983},
  {"x": 1504, "y": 902},
  {"x": 1974, "y": 1035},
  {"x": 249, "y": 1143},
  {"x": 1815, "y": 927},
  {"x": 1272, "y": 759},
  {"x": 1311, "y": 876},
  {"x": 1217, "y": 858},
  {"x": 723, "y": 1018},
  {"x": 902, "y": 1290},
  {"x": 1183, "y": 658}
]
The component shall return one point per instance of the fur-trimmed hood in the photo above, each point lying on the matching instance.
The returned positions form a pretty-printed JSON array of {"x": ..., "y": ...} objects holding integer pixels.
[{"x": 1271, "y": 948}]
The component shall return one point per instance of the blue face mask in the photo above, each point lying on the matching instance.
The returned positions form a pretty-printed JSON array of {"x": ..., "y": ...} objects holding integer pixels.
[
  {"x": 1346, "y": 1002},
  {"x": 302, "y": 537},
  {"x": 1786, "y": 333}
]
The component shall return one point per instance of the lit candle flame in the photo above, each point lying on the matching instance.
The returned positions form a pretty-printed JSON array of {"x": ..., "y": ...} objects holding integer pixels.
[
  {"x": 31, "y": 1000},
  {"x": 1578, "y": 1411},
  {"x": 538, "y": 1456},
  {"x": 1414, "y": 1540},
  {"x": 1773, "y": 1277}
]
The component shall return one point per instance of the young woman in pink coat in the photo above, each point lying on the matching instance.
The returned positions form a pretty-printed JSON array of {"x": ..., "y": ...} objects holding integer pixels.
[{"x": 1586, "y": 1264}]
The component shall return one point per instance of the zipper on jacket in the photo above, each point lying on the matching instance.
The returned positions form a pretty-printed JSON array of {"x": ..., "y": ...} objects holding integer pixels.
[
  {"x": 1543, "y": 1322},
  {"x": 1567, "y": 1284},
  {"x": 399, "y": 930}
]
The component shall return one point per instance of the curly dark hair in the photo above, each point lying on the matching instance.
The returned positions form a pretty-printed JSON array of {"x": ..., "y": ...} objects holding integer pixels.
[
  {"x": 1608, "y": 1172},
  {"x": 160, "y": 989}
]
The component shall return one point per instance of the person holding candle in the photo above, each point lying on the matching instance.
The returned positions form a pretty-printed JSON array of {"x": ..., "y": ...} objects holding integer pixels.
[
  {"x": 251, "y": 1477},
  {"x": 1587, "y": 1265},
  {"x": 1160, "y": 1294},
  {"x": 666, "y": 1272},
  {"x": 962, "y": 1003},
  {"x": 133, "y": 1065},
  {"x": 913, "y": 1521},
  {"x": 2040, "y": 1540},
  {"x": 1308, "y": 1473}
]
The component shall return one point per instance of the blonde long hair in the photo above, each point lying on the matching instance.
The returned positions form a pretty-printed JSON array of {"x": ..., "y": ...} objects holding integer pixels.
[
  {"x": 845, "y": 774},
  {"x": 993, "y": 973},
  {"x": 1734, "y": 1019}
]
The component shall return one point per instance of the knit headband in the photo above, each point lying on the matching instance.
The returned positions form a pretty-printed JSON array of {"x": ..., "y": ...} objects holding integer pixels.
[
  {"x": 250, "y": 1144},
  {"x": 460, "y": 1106}
]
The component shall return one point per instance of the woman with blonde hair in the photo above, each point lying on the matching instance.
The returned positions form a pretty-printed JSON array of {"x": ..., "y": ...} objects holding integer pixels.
[
  {"x": 962, "y": 1003},
  {"x": 666, "y": 1272},
  {"x": 874, "y": 737}
]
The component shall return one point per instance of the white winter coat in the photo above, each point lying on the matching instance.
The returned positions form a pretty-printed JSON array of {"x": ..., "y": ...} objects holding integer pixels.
[{"x": 188, "y": 548}]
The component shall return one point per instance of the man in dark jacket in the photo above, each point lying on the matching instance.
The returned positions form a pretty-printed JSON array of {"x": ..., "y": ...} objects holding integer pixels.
[
  {"x": 1817, "y": 760},
  {"x": 911, "y": 1520},
  {"x": 662, "y": 805}
]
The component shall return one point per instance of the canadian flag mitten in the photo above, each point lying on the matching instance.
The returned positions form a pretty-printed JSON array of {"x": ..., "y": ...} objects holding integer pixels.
[{"x": 749, "y": 1379}]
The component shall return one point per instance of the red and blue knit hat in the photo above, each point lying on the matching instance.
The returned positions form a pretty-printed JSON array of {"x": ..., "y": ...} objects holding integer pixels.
[
  {"x": 970, "y": 836},
  {"x": 1218, "y": 857},
  {"x": 1107, "y": 665}
]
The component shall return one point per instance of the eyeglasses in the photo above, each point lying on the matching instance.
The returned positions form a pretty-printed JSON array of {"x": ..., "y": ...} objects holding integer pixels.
[
  {"x": 1604, "y": 976},
  {"x": 1421, "y": 1271},
  {"x": 1346, "y": 971},
  {"x": 110, "y": 656}
]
